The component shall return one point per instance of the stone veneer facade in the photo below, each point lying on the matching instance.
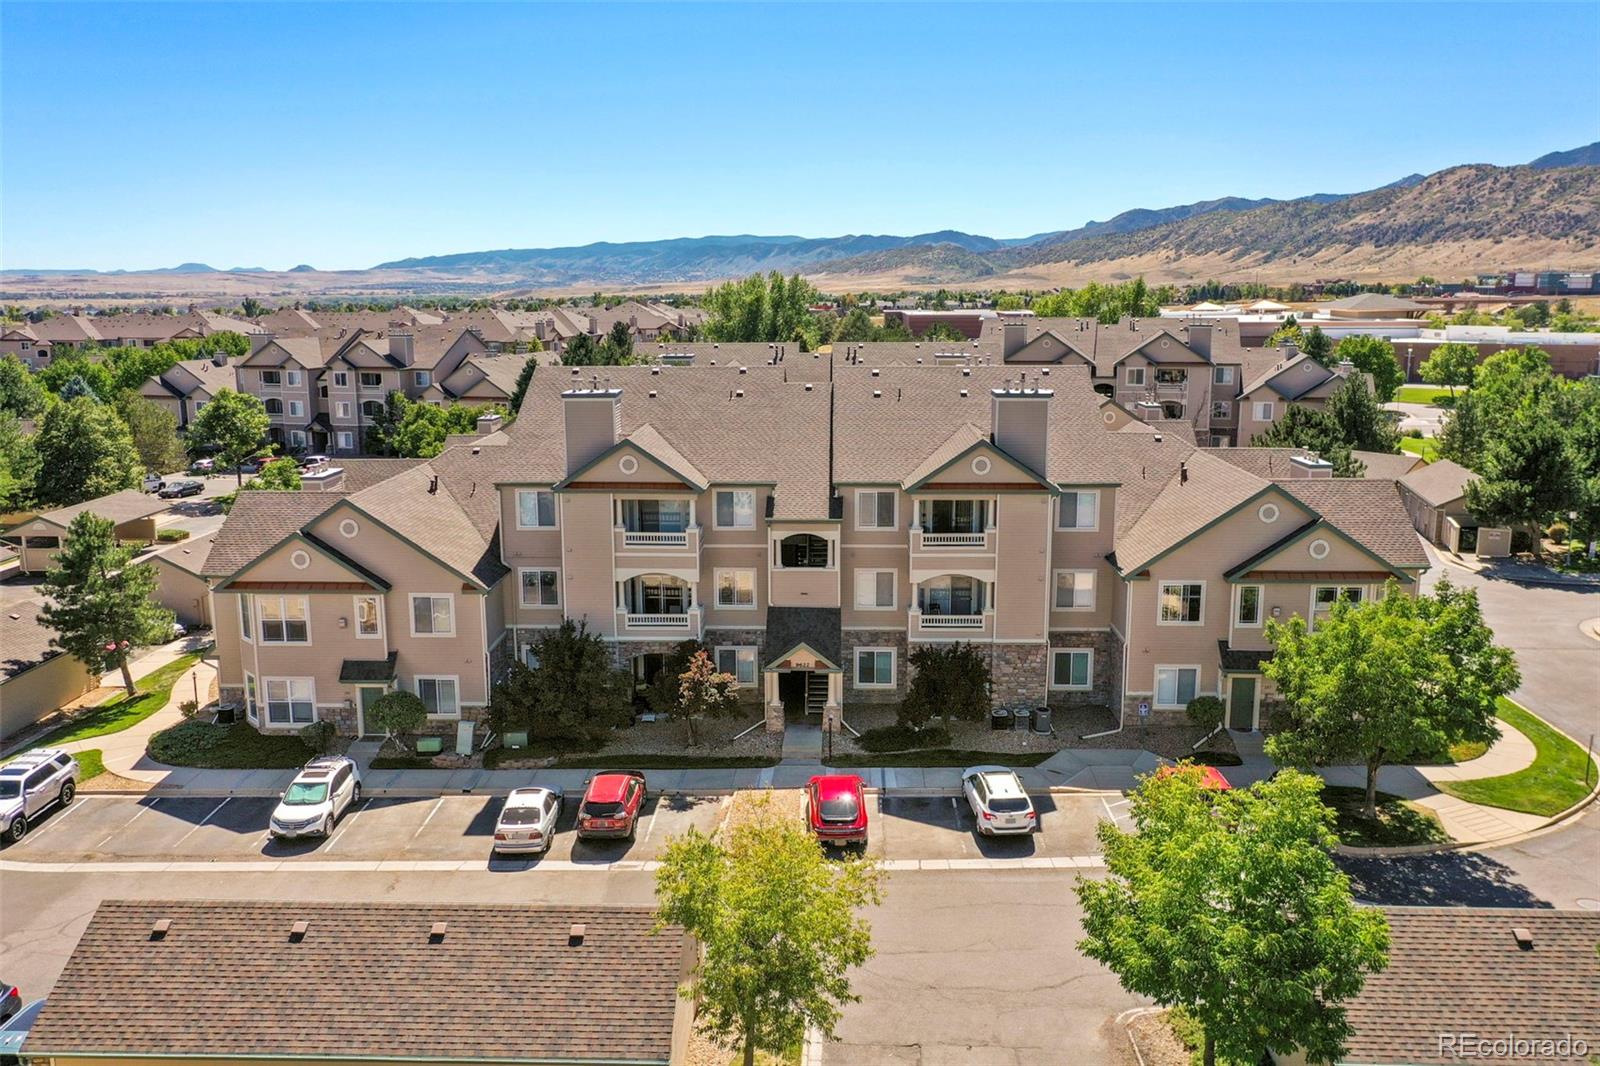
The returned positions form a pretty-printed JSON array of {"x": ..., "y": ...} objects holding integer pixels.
[
  {"x": 1106, "y": 664},
  {"x": 750, "y": 638},
  {"x": 1017, "y": 674},
  {"x": 850, "y": 640}
]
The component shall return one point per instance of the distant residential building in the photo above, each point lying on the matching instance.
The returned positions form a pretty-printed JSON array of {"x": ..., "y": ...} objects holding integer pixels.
[{"x": 189, "y": 385}]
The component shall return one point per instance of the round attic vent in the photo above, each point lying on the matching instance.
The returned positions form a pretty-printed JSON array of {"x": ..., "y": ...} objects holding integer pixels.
[
  {"x": 628, "y": 464},
  {"x": 1318, "y": 549},
  {"x": 1268, "y": 513},
  {"x": 299, "y": 559},
  {"x": 1111, "y": 416},
  {"x": 980, "y": 465},
  {"x": 348, "y": 528}
]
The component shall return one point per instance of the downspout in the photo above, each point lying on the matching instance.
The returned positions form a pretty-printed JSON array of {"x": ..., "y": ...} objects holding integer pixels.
[{"x": 1122, "y": 685}]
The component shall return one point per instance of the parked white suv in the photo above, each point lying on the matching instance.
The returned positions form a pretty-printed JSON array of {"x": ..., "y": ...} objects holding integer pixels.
[
  {"x": 30, "y": 784},
  {"x": 320, "y": 793},
  {"x": 998, "y": 801}
]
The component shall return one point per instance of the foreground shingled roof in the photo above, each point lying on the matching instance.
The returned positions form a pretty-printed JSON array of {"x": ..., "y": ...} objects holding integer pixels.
[
  {"x": 1438, "y": 483},
  {"x": 367, "y": 980}
]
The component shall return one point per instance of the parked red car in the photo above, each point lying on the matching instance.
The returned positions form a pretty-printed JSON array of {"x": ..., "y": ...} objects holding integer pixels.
[
  {"x": 836, "y": 809},
  {"x": 1210, "y": 777},
  {"x": 611, "y": 805}
]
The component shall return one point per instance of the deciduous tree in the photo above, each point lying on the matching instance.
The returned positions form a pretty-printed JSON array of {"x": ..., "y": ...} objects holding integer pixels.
[
  {"x": 280, "y": 475},
  {"x": 396, "y": 713},
  {"x": 778, "y": 929},
  {"x": 1374, "y": 357},
  {"x": 233, "y": 425},
  {"x": 154, "y": 430},
  {"x": 20, "y": 394},
  {"x": 101, "y": 604},
  {"x": 1228, "y": 905},
  {"x": 1451, "y": 365},
  {"x": 1526, "y": 475},
  {"x": 85, "y": 451},
  {"x": 1361, "y": 422},
  {"x": 703, "y": 692}
]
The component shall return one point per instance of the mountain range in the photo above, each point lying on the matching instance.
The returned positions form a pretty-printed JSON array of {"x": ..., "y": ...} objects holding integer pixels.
[{"x": 1476, "y": 215}]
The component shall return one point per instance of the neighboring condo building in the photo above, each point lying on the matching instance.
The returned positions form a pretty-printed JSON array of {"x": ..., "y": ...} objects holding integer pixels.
[{"x": 813, "y": 533}]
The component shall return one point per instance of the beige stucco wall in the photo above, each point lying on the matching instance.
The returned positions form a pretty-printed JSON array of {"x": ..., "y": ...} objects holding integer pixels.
[
  {"x": 184, "y": 594},
  {"x": 32, "y": 694}
]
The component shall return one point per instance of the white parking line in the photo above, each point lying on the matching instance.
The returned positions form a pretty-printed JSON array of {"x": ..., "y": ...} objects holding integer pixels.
[
  {"x": 200, "y": 823},
  {"x": 60, "y": 815},
  {"x": 650, "y": 828},
  {"x": 431, "y": 812},
  {"x": 348, "y": 822},
  {"x": 478, "y": 865},
  {"x": 142, "y": 809}
]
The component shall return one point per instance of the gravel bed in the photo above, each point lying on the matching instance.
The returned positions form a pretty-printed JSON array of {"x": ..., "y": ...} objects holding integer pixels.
[
  {"x": 1173, "y": 741},
  {"x": 968, "y": 736},
  {"x": 716, "y": 737}
]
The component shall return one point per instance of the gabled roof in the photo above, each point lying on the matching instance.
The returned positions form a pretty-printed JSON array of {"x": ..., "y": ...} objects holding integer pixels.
[
  {"x": 1439, "y": 483},
  {"x": 451, "y": 982},
  {"x": 321, "y": 547},
  {"x": 428, "y": 515},
  {"x": 812, "y": 629},
  {"x": 1185, "y": 507},
  {"x": 126, "y": 506},
  {"x": 1371, "y": 301},
  {"x": 653, "y": 446},
  {"x": 966, "y": 440},
  {"x": 1290, "y": 378},
  {"x": 189, "y": 555},
  {"x": 1369, "y": 511},
  {"x": 1295, "y": 536},
  {"x": 24, "y": 638},
  {"x": 258, "y": 522},
  {"x": 1392, "y": 466}
]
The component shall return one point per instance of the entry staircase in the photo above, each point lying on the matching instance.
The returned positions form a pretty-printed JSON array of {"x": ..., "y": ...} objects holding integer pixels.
[{"x": 816, "y": 693}]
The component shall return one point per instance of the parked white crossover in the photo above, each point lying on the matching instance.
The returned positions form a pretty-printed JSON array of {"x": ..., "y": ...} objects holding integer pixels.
[
  {"x": 31, "y": 784},
  {"x": 528, "y": 820},
  {"x": 319, "y": 794},
  {"x": 998, "y": 801}
]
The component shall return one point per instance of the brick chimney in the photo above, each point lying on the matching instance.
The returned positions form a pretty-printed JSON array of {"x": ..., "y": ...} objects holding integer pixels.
[
  {"x": 593, "y": 421},
  {"x": 402, "y": 347},
  {"x": 1014, "y": 336},
  {"x": 1020, "y": 415}
]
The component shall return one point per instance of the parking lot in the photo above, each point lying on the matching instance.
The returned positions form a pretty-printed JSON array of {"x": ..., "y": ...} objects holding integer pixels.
[{"x": 393, "y": 830}]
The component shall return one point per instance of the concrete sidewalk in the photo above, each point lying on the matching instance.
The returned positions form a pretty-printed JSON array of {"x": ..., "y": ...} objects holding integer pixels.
[{"x": 1518, "y": 572}]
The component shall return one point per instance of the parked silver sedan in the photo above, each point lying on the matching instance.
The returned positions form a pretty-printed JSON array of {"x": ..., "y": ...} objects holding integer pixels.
[{"x": 527, "y": 822}]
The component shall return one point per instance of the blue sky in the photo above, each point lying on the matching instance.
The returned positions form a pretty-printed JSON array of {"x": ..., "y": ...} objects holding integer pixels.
[{"x": 343, "y": 134}]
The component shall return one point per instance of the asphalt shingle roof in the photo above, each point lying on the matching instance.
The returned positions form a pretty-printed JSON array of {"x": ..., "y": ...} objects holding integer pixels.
[
  {"x": 1439, "y": 482},
  {"x": 229, "y": 978},
  {"x": 1369, "y": 511},
  {"x": 126, "y": 506},
  {"x": 24, "y": 639}
]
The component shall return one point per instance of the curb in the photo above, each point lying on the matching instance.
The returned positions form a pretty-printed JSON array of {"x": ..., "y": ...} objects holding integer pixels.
[{"x": 163, "y": 791}]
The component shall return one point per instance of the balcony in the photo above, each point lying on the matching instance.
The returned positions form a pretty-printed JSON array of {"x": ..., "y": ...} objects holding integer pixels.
[
  {"x": 972, "y": 541},
  {"x": 949, "y": 626},
  {"x": 676, "y": 625},
  {"x": 671, "y": 542}
]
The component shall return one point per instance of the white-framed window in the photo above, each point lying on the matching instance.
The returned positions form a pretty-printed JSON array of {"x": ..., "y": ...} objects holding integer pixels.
[
  {"x": 284, "y": 619},
  {"x": 876, "y": 589},
  {"x": 1133, "y": 375},
  {"x": 1263, "y": 410},
  {"x": 536, "y": 509},
  {"x": 432, "y": 615},
  {"x": 539, "y": 588},
  {"x": 736, "y": 588},
  {"x": 272, "y": 405},
  {"x": 875, "y": 509},
  {"x": 343, "y": 408},
  {"x": 1071, "y": 668},
  {"x": 1079, "y": 511},
  {"x": 1222, "y": 375},
  {"x": 735, "y": 509},
  {"x": 1247, "y": 606},
  {"x": 369, "y": 617},
  {"x": 1176, "y": 685},
  {"x": 1181, "y": 603},
  {"x": 252, "y": 710},
  {"x": 874, "y": 668},
  {"x": 246, "y": 630},
  {"x": 347, "y": 440},
  {"x": 290, "y": 700},
  {"x": 297, "y": 438},
  {"x": 441, "y": 695},
  {"x": 740, "y": 661},
  {"x": 1222, "y": 409},
  {"x": 370, "y": 379},
  {"x": 296, "y": 409},
  {"x": 1074, "y": 590},
  {"x": 341, "y": 379},
  {"x": 1323, "y": 597},
  {"x": 372, "y": 408},
  {"x": 271, "y": 377},
  {"x": 422, "y": 378},
  {"x": 292, "y": 377}
]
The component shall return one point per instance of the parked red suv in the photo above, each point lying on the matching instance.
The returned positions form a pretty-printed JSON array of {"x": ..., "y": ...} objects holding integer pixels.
[
  {"x": 836, "y": 809},
  {"x": 611, "y": 805}
]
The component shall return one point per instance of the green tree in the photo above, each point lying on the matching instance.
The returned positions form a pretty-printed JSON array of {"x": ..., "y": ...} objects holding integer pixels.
[
  {"x": 1228, "y": 905},
  {"x": 759, "y": 308},
  {"x": 1362, "y": 424},
  {"x": 1525, "y": 475},
  {"x": 75, "y": 387},
  {"x": 381, "y": 430},
  {"x": 395, "y": 714},
  {"x": 101, "y": 604},
  {"x": 1317, "y": 345},
  {"x": 233, "y": 425},
  {"x": 617, "y": 347},
  {"x": 572, "y": 698},
  {"x": 947, "y": 680},
  {"x": 85, "y": 451},
  {"x": 1395, "y": 679},
  {"x": 19, "y": 465},
  {"x": 660, "y": 691},
  {"x": 777, "y": 926},
  {"x": 943, "y": 331},
  {"x": 580, "y": 351},
  {"x": 280, "y": 475},
  {"x": 77, "y": 364},
  {"x": 524, "y": 379},
  {"x": 1374, "y": 357},
  {"x": 250, "y": 307},
  {"x": 1008, "y": 301},
  {"x": 703, "y": 692},
  {"x": 854, "y": 327},
  {"x": 154, "y": 430},
  {"x": 20, "y": 394},
  {"x": 1311, "y": 430},
  {"x": 1451, "y": 365}
]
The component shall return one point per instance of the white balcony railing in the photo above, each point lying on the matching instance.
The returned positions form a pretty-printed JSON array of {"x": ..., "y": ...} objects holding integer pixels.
[
  {"x": 655, "y": 540},
  {"x": 952, "y": 621},
  {"x": 659, "y": 621},
  {"x": 952, "y": 540}
]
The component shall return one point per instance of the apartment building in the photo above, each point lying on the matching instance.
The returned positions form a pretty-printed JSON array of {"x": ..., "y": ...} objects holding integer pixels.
[
  {"x": 24, "y": 343},
  {"x": 813, "y": 534},
  {"x": 187, "y": 386}
]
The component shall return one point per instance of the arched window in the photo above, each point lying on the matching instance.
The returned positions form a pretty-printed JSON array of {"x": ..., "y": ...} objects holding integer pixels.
[
  {"x": 372, "y": 408},
  {"x": 274, "y": 406},
  {"x": 803, "y": 550}
]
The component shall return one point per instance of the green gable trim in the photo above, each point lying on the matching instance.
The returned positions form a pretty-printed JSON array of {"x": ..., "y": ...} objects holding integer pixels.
[
  {"x": 1234, "y": 575},
  {"x": 824, "y": 664},
  {"x": 984, "y": 445},
  {"x": 566, "y": 482},
  {"x": 402, "y": 538},
  {"x": 1229, "y": 513},
  {"x": 333, "y": 554}
]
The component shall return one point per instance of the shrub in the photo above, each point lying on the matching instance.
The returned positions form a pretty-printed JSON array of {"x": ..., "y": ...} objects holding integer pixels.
[
  {"x": 1205, "y": 712},
  {"x": 573, "y": 698},
  {"x": 189, "y": 708},
  {"x": 169, "y": 536},
  {"x": 1558, "y": 532},
  {"x": 947, "y": 681},
  {"x": 903, "y": 738},
  {"x": 1521, "y": 541},
  {"x": 319, "y": 736},
  {"x": 397, "y": 712},
  {"x": 1414, "y": 434}
]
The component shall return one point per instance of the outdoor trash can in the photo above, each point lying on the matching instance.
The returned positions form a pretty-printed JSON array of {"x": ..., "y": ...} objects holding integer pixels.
[
  {"x": 1020, "y": 716},
  {"x": 999, "y": 718},
  {"x": 1041, "y": 720}
]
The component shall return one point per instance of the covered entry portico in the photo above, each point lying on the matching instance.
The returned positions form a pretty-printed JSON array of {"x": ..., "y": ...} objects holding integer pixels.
[
  {"x": 800, "y": 658},
  {"x": 1242, "y": 683}
]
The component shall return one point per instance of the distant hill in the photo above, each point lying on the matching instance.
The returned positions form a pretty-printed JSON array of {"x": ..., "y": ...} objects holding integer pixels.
[{"x": 1587, "y": 156}]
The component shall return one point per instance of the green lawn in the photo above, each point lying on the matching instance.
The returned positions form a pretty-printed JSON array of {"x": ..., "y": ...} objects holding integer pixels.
[
  {"x": 1400, "y": 822},
  {"x": 941, "y": 757},
  {"x": 1426, "y": 447},
  {"x": 1424, "y": 394},
  {"x": 227, "y": 747},
  {"x": 1561, "y": 774},
  {"x": 154, "y": 690},
  {"x": 90, "y": 765}
]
